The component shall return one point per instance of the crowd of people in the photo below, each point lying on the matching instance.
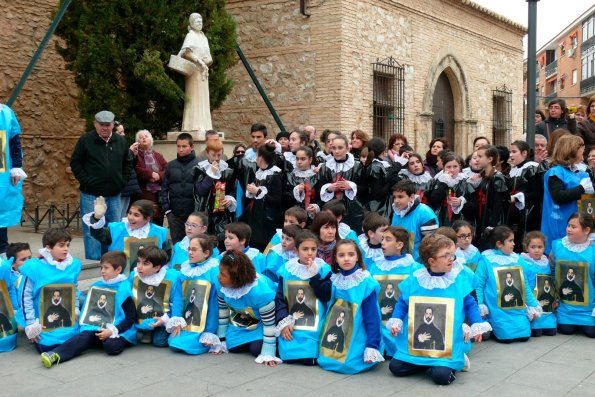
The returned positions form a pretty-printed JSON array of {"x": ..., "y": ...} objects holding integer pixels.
[{"x": 340, "y": 253}]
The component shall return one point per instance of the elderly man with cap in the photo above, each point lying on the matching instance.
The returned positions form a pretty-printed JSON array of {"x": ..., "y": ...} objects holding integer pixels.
[{"x": 102, "y": 163}]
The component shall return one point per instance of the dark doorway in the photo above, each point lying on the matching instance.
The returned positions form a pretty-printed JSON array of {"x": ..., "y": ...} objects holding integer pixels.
[{"x": 444, "y": 111}]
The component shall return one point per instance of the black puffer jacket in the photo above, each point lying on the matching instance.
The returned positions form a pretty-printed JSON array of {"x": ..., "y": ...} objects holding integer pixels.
[
  {"x": 132, "y": 187},
  {"x": 178, "y": 186}
]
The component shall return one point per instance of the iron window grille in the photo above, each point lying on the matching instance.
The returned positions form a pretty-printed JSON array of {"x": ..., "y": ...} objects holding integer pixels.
[
  {"x": 388, "y": 93},
  {"x": 502, "y": 116}
]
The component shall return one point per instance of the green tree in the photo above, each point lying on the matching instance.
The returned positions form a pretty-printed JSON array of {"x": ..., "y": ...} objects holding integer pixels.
[{"x": 119, "y": 49}]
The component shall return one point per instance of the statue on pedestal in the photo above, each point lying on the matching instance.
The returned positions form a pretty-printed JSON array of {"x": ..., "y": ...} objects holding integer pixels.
[{"x": 193, "y": 61}]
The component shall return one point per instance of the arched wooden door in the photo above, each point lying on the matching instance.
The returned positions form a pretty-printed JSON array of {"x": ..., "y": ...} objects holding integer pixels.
[{"x": 443, "y": 108}]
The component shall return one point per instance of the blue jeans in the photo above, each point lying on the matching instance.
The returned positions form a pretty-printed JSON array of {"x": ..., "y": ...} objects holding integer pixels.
[
  {"x": 124, "y": 204},
  {"x": 93, "y": 248}
]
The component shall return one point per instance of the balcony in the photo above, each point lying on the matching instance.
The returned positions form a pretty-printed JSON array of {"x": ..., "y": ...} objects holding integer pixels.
[
  {"x": 588, "y": 86},
  {"x": 587, "y": 44},
  {"x": 537, "y": 78},
  {"x": 551, "y": 69},
  {"x": 550, "y": 96}
]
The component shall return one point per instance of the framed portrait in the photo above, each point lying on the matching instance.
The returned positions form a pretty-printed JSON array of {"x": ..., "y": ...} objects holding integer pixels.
[
  {"x": 389, "y": 293},
  {"x": 131, "y": 247},
  {"x": 572, "y": 282},
  {"x": 337, "y": 330},
  {"x": 150, "y": 301},
  {"x": 302, "y": 305},
  {"x": 430, "y": 326},
  {"x": 510, "y": 284},
  {"x": 586, "y": 204},
  {"x": 3, "y": 154},
  {"x": 8, "y": 323},
  {"x": 411, "y": 243},
  {"x": 196, "y": 304},
  {"x": 243, "y": 318},
  {"x": 100, "y": 307},
  {"x": 56, "y": 306},
  {"x": 545, "y": 292}
]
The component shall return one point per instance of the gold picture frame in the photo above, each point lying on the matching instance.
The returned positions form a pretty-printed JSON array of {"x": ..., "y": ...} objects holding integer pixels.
[
  {"x": 586, "y": 204},
  {"x": 511, "y": 290},
  {"x": 8, "y": 323},
  {"x": 95, "y": 315},
  {"x": 195, "y": 309},
  {"x": 573, "y": 291},
  {"x": 308, "y": 307},
  {"x": 4, "y": 153},
  {"x": 430, "y": 336},
  {"x": 386, "y": 303},
  {"x": 337, "y": 331},
  {"x": 243, "y": 318},
  {"x": 150, "y": 306},
  {"x": 545, "y": 291},
  {"x": 54, "y": 315},
  {"x": 131, "y": 247}
]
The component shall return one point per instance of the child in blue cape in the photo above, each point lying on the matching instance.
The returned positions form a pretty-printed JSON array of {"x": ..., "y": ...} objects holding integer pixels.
[
  {"x": 17, "y": 254},
  {"x": 108, "y": 315},
  {"x": 370, "y": 241},
  {"x": 351, "y": 341},
  {"x": 466, "y": 251},
  {"x": 573, "y": 259},
  {"x": 246, "y": 309},
  {"x": 299, "y": 314},
  {"x": 394, "y": 266},
  {"x": 237, "y": 238},
  {"x": 428, "y": 320},
  {"x": 503, "y": 294},
  {"x": 198, "y": 277},
  {"x": 157, "y": 297},
  {"x": 410, "y": 213},
  {"x": 137, "y": 224},
  {"x": 49, "y": 292},
  {"x": 196, "y": 223},
  {"x": 279, "y": 254},
  {"x": 8, "y": 324},
  {"x": 541, "y": 280},
  {"x": 293, "y": 216}
]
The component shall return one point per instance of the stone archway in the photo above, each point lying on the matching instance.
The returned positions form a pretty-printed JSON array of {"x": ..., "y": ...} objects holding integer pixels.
[{"x": 447, "y": 64}]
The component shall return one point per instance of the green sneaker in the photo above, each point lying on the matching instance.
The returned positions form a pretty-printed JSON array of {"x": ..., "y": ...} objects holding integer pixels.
[{"x": 50, "y": 358}]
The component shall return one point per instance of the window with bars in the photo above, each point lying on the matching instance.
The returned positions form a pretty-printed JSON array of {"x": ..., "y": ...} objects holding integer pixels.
[
  {"x": 388, "y": 94},
  {"x": 501, "y": 116}
]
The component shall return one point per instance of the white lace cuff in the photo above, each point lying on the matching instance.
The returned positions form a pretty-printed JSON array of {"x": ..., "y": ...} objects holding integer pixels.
[
  {"x": 174, "y": 322},
  {"x": 519, "y": 202},
  {"x": 394, "y": 323},
  {"x": 534, "y": 311},
  {"x": 351, "y": 193},
  {"x": 317, "y": 208},
  {"x": 165, "y": 319},
  {"x": 217, "y": 348},
  {"x": 466, "y": 329},
  {"x": 372, "y": 355},
  {"x": 208, "y": 339},
  {"x": 210, "y": 174},
  {"x": 265, "y": 359},
  {"x": 587, "y": 185},
  {"x": 297, "y": 195},
  {"x": 483, "y": 310},
  {"x": 115, "y": 332},
  {"x": 97, "y": 225},
  {"x": 18, "y": 172},
  {"x": 289, "y": 320},
  {"x": 33, "y": 330},
  {"x": 233, "y": 203},
  {"x": 262, "y": 192},
  {"x": 459, "y": 207},
  {"x": 480, "y": 328},
  {"x": 325, "y": 195},
  {"x": 401, "y": 160}
]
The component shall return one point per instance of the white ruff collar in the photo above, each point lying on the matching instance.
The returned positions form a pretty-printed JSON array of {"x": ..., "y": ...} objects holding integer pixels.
[
  {"x": 449, "y": 180},
  {"x": 345, "y": 166},
  {"x": 425, "y": 177},
  {"x": 385, "y": 164},
  {"x": 467, "y": 254},
  {"x": 500, "y": 258},
  {"x": 141, "y": 232},
  {"x": 353, "y": 280},
  {"x": 387, "y": 265},
  {"x": 516, "y": 171},
  {"x": 287, "y": 255},
  {"x": 542, "y": 262},
  {"x": 154, "y": 279},
  {"x": 368, "y": 252},
  {"x": 304, "y": 174},
  {"x": 47, "y": 256},
  {"x": 570, "y": 246},
  {"x": 344, "y": 230},
  {"x": 117, "y": 279},
  {"x": 237, "y": 293},
  {"x": 262, "y": 174},
  {"x": 185, "y": 243},
  {"x": 426, "y": 280},
  {"x": 201, "y": 268},
  {"x": 296, "y": 269},
  {"x": 290, "y": 157}
]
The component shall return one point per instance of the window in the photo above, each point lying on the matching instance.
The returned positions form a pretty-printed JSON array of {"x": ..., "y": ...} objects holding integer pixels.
[
  {"x": 574, "y": 42},
  {"x": 501, "y": 115},
  {"x": 388, "y": 93},
  {"x": 562, "y": 81},
  {"x": 574, "y": 77},
  {"x": 588, "y": 28},
  {"x": 588, "y": 64}
]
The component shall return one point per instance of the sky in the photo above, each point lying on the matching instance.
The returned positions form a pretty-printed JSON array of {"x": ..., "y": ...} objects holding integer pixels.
[{"x": 552, "y": 15}]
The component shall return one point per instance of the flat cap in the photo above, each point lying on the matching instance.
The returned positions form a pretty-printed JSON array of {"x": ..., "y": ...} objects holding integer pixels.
[{"x": 105, "y": 116}]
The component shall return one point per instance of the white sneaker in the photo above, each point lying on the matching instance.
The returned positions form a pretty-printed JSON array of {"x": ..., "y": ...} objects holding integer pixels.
[{"x": 467, "y": 365}]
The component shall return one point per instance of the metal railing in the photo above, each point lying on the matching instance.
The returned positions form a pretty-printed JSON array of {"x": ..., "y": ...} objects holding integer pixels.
[
  {"x": 551, "y": 69},
  {"x": 63, "y": 215}
]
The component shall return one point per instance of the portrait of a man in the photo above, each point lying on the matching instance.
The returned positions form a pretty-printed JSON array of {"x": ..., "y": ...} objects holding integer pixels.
[
  {"x": 586, "y": 204},
  {"x": 302, "y": 304},
  {"x": 337, "y": 331},
  {"x": 570, "y": 290},
  {"x": 244, "y": 318},
  {"x": 430, "y": 326},
  {"x": 131, "y": 247},
  {"x": 192, "y": 311},
  {"x": 389, "y": 294},
  {"x": 151, "y": 301},
  {"x": 196, "y": 304},
  {"x": 428, "y": 336},
  {"x": 100, "y": 307},
  {"x": 544, "y": 292},
  {"x": 510, "y": 285},
  {"x": 57, "y": 306}
]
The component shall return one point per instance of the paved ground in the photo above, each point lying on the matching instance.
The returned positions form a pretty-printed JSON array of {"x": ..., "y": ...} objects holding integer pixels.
[{"x": 546, "y": 366}]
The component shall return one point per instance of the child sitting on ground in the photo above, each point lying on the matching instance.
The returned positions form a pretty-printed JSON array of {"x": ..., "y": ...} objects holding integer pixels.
[
  {"x": 281, "y": 253},
  {"x": 237, "y": 238},
  {"x": 370, "y": 241}
]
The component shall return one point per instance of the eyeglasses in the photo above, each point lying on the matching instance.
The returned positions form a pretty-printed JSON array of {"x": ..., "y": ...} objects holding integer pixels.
[
  {"x": 194, "y": 249},
  {"x": 238, "y": 152},
  {"x": 192, "y": 225},
  {"x": 464, "y": 236},
  {"x": 450, "y": 257}
]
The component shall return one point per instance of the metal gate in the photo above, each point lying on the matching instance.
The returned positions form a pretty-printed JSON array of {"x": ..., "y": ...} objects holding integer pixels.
[
  {"x": 388, "y": 93},
  {"x": 501, "y": 116}
]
